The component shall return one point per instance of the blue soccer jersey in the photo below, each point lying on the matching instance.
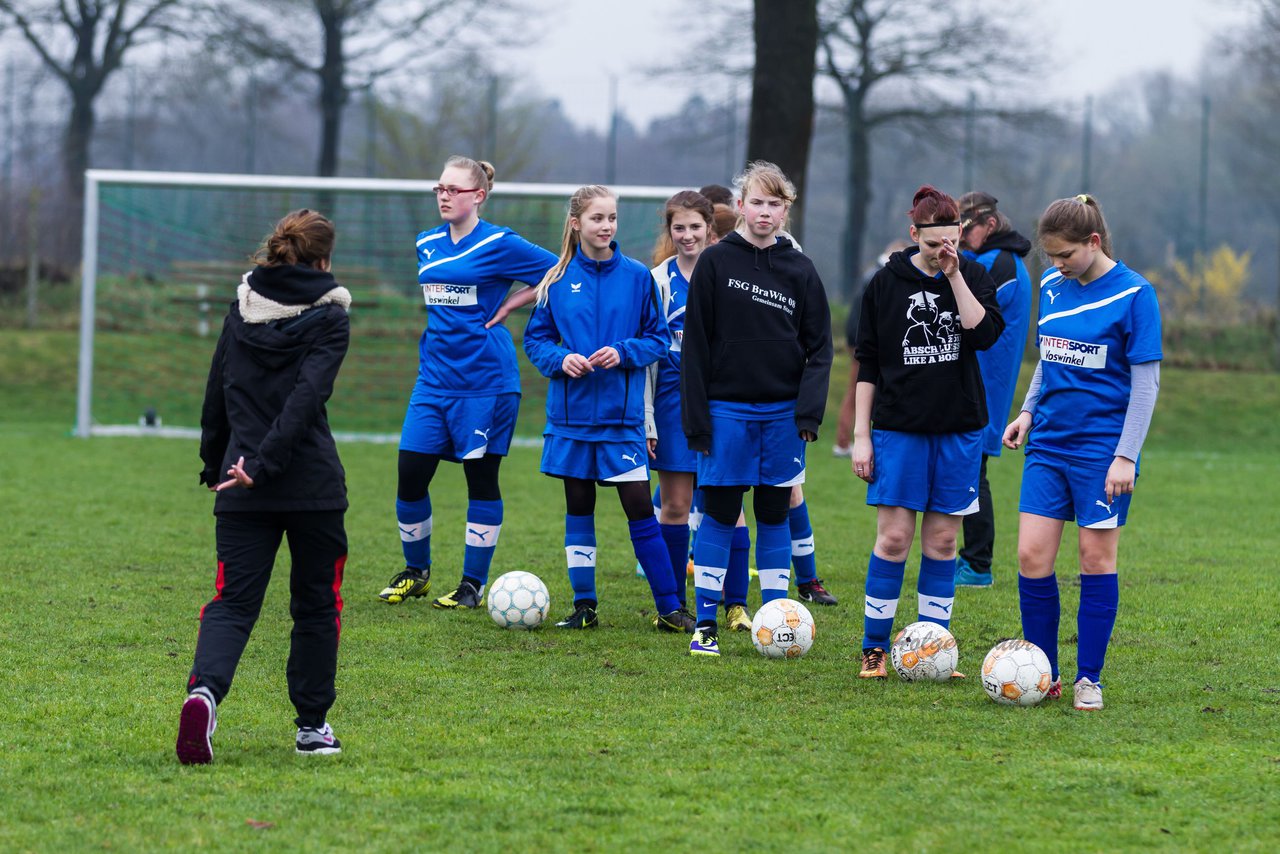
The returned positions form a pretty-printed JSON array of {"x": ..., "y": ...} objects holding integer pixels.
[
  {"x": 463, "y": 284},
  {"x": 1089, "y": 336},
  {"x": 676, "y": 295}
]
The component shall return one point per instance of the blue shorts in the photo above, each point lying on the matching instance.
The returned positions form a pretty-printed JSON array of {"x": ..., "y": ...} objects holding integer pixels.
[
  {"x": 753, "y": 453},
  {"x": 460, "y": 428},
  {"x": 1057, "y": 489},
  {"x": 603, "y": 462},
  {"x": 934, "y": 472},
  {"x": 673, "y": 448}
]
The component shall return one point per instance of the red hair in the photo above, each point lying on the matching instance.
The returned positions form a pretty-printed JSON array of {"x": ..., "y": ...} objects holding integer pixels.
[{"x": 932, "y": 205}]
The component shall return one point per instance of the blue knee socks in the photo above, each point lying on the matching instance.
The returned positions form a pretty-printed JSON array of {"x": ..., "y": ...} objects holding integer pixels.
[
  {"x": 484, "y": 524},
  {"x": 936, "y": 590},
  {"x": 1041, "y": 609},
  {"x": 651, "y": 551},
  {"x": 1099, "y": 600},
  {"x": 802, "y": 543},
  {"x": 414, "y": 519},
  {"x": 676, "y": 538},
  {"x": 773, "y": 560},
  {"x": 710, "y": 564},
  {"x": 884, "y": 585},
  {"x": 738, "y": 579},
  {"x": 580, "y": 555}
]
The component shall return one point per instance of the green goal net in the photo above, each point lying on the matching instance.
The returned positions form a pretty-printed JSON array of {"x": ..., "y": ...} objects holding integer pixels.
[{"x": 164, "y": 253}]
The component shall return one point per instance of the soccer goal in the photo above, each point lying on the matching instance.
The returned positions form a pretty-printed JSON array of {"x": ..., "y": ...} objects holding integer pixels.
[{"x": 164, "y": 253}]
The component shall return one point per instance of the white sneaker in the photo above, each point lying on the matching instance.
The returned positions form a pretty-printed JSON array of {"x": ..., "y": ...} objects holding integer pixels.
[
  {"x": 1088, "y": 695},
  {"x": 842, "y": 450},
  {"x": 321, "y": 740}
]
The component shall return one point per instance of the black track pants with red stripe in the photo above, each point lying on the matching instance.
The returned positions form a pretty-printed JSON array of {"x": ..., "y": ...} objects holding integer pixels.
[{"x": 247, "y": 545}]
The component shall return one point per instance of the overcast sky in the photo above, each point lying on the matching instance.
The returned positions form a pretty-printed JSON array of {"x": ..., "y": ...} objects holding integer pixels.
[{"x": 1092, "y": 43}]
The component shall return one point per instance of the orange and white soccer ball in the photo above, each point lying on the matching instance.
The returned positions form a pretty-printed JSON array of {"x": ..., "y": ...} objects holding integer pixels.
[
  {"x": 926, "y": 652},
  {"x": 1016, "y": 673},
  {"x": 518, "y": 600},
  {"x": 782, "y": 628}
]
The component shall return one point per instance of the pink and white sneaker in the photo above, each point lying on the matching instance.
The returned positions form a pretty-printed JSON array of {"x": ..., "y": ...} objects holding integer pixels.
[
  {"x": 319, "y": 741},
  {"x": 195, "y": 728}
]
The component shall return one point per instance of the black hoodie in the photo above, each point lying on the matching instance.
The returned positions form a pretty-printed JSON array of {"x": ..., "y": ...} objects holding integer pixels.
[
  {"x": 1003, "y": 267},
  {"x": 281, "y": 346},
  {"x": 757, "y": 329},
  {"x": 912, "y": 347}
]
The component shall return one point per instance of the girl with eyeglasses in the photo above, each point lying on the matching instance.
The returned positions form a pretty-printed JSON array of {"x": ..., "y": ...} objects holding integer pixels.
[{"x": 464, "y": 403}]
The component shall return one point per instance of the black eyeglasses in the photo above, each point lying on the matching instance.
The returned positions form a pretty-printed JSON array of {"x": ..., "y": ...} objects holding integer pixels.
[{"x": 453, "y": 191}]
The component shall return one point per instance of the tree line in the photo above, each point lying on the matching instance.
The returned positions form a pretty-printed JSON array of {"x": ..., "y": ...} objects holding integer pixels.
[{"x": 849, "y": 94}]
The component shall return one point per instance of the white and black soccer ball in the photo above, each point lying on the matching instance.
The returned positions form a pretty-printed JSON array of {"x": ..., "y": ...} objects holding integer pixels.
[
  {"x": 782, "y": 628},
  {"x": 1016, "y": 673},
  {"x": 518, "y": 600},
  {"x": 925, "y": 651}
]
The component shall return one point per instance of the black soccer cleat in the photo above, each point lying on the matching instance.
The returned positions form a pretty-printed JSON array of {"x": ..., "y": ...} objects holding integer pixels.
[
  {"x": 813, "y": 591},
  {"x": 583, "y": 617}
]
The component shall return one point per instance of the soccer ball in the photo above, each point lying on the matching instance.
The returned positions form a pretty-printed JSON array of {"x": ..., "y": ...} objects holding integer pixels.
[
  {"x": 518, "y": 600},
  {"x": 925, "y": 651},
  {"x": 782, "y": 628},
  {"x": 1016, "y": 673}
]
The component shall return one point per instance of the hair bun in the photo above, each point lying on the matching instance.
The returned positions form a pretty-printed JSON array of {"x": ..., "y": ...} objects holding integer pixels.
[{"x": 925, "y": 192}]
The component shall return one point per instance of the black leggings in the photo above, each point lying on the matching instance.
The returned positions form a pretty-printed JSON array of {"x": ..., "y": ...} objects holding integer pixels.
[
  {"x": 724, "y": 503},
  {"x": 417, "y": 470},
  {"x": 247, "y": 545},
  {"x": 580, "y": 498}
]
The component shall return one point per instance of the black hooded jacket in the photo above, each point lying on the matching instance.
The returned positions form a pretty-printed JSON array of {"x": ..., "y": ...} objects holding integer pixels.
[
  {"x": 757, "y": 329},
  {"x": 281, "y": 346},
  {"x": 911, "y": 346},
  {"x": 1003, "y": 268}
]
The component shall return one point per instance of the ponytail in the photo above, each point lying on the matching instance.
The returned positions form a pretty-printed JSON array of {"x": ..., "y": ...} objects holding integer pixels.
[{"x": 1075, "y": 220}]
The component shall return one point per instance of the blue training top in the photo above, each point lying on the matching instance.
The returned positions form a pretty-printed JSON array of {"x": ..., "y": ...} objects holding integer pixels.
[
  {"x": 596, "y": 304},
  {"x": 1089, "y": 336},
  {"x": 464, "y": 284},
  {"x": 1001, "y": 362}
]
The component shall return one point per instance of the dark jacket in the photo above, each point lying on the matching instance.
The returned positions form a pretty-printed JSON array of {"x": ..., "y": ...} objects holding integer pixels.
[
  {"x": 757, "y": 329},
  {"x": 912, "y": 347},
  {"x": 281, "y": 346}
]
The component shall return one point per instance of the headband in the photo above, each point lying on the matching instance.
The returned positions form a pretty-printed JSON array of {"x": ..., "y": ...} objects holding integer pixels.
[
  {"x": 920, "y": 225},
  {"x": 969, "y": 217}
]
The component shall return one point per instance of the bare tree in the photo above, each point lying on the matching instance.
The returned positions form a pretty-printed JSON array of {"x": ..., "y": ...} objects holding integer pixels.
[
  {"x": 781, "y": 123},
  {"x": 345, "y": 45},
  {"x": 898, "y": 61},
  {"x": 96, "y": 34}
]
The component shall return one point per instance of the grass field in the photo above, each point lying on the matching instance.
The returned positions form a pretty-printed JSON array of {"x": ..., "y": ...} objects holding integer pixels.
[{"x": 459, "y": 735}]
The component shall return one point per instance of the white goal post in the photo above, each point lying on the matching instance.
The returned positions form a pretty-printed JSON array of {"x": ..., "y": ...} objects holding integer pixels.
[{"x": 163, "y": 253}]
